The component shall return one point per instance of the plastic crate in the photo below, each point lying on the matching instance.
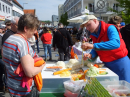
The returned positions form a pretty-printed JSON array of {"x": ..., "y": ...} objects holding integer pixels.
[
  {"x": 117, "y": 87},
  {"x": 70, "y": 94},
  {"x": 121, "y": 93},
  {"x": 74, "y": 86},
  {"x": 111, "y": 88}
]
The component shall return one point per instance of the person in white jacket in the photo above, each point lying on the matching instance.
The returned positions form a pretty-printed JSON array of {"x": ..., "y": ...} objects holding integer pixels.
[{"x": 32, "y": 42}]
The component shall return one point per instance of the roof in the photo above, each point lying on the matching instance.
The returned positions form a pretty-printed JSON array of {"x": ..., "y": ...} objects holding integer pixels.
[
  {"x": 7, "y": 2},
  {"x": 30, "y": 11},
  {"x": 15, "y": 1}
]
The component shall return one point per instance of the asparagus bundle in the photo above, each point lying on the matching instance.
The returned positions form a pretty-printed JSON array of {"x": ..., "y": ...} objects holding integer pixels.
[{"x": 95, "y": 89}]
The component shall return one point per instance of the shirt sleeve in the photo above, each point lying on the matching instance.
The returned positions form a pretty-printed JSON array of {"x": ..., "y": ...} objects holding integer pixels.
[
  {"x": 114, "y": 40},
  {"x": 93, "y": 53},
  {"x": 25, "y": 48}
]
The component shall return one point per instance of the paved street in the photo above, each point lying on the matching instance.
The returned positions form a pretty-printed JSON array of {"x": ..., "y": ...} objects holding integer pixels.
[{"x": 54, "y": 60}]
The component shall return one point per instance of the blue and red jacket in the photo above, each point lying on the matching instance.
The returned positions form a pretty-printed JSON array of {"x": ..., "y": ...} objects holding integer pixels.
[{"x": 109, "y": 55}]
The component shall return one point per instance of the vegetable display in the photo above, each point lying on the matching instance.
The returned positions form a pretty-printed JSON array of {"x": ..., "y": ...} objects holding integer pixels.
[
  {"x": 59, "y": 72},
  {"x": 94, "y": 89}
]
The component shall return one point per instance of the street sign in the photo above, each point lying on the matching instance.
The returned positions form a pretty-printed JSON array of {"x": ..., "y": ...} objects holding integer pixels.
[{"x": 100, "y": 6}]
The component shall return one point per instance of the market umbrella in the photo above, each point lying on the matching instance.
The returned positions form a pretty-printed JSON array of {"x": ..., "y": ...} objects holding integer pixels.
[{"x": 78, "y": 19}]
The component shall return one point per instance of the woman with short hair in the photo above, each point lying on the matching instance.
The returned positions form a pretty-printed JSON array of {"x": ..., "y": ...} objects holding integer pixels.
[
  {"x": 17, "y": 50},
  {"x": 116, "y": 20}
]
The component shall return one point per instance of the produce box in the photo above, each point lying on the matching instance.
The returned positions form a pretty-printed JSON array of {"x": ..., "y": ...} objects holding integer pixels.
[
  {"x": 117, "y": 88},
  {"x": 93, "y": 88},
  {"x": 110, "y": 76},
  {"x": 51, "y": 83}
]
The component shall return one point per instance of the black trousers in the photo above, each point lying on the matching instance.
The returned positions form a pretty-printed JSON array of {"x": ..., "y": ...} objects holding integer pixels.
[
  {"x": 2, "y": 71},
  {"x": 64, "y": 54}
]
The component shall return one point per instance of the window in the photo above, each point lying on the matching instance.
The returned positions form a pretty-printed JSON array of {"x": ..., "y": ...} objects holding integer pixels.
[
  {"x": 0, "y": 6},
  {"x": 90, "y": 7},
  {"x": 6, "y": 10},
  {"x": 115, "y": 6},
  {"x": 13, "y": 13},
  {"x": 9, "y": 10},
  {"x": 3, "y": 8},
  {"x": 107, "y": 7}
]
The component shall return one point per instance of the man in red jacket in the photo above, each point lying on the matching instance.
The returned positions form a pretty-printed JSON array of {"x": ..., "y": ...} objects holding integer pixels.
[{"x": 108, "y": 45}]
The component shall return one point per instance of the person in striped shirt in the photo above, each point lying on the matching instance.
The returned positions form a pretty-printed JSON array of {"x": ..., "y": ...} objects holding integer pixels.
[{"x": 17, "y": 50}]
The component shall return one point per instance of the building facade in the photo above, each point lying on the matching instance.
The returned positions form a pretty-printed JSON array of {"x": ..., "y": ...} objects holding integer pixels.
[
  {"x": 60, "y": 11},
  {"x": 75, "y": 7},
  {"x": 5, "y": 10},
  {"x": 55, "y": 20},
  {"x": 17, "y": 9},
  {"x": 9, "y": 9}
]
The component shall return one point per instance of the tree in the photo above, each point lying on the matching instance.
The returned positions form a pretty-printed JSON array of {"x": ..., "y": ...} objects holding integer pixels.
[
  {"x": 64, "y": 18},
  {"x": 125, "y": 12}
]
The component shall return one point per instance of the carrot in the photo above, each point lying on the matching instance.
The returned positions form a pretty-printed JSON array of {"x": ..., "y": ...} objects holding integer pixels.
[
  {"x": 101, "y": 72},
  {"x": 59, "y": 72},
  {"x": 54, "y": 67},
  {"x": 86, "y": 71},
  {"x": 102, "y": 69}
]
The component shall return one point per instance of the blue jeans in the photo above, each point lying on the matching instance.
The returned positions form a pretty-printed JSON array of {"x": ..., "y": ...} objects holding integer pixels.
[
  {"x": 121, "y": 67},
  {"x": 47, "y": 47}
]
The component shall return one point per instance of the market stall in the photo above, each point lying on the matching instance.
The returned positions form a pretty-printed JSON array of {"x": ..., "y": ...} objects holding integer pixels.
[{"x": 54, "y": 83}]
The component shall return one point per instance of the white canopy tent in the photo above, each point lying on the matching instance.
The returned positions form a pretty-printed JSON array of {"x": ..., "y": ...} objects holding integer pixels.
[{"x": 78, "y": 19}]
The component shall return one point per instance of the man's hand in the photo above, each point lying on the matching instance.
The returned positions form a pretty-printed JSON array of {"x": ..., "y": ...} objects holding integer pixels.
[
  {"x": 86, "y": 46},
  {"x": 86, "y": 56}
]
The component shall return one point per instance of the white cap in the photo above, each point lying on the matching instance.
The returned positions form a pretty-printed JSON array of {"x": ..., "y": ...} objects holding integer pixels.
[{"x": 87, "y": 18}]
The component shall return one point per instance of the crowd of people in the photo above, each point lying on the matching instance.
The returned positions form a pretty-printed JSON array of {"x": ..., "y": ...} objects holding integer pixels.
[{"x": 109, "y": 41}]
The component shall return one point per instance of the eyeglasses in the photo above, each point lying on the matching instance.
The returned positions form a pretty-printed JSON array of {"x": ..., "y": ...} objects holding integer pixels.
[{"x": 8, "y": 24}]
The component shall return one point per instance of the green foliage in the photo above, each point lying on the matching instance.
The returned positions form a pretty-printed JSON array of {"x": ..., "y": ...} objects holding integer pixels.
[
  {"x": 125, "y": 12},
  {"x": 47, "y": 21},
  {"x": 63, "y": 19},
  {"x": 86, "y": 7}
]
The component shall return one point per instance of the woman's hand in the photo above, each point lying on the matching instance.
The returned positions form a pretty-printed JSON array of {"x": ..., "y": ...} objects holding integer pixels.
[
  {"x": 86, "y": 56},
  {"x": 86, "y": 46},
  {"x": 29, "y": 69},
  {"x": 43, "y": 65}
]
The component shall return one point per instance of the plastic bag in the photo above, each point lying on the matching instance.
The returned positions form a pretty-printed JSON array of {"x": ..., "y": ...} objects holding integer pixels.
[{"x": 73, "y": 55}]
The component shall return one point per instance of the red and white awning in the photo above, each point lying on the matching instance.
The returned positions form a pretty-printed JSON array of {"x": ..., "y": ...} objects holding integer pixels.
[{"x": 2, "y": 18}]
